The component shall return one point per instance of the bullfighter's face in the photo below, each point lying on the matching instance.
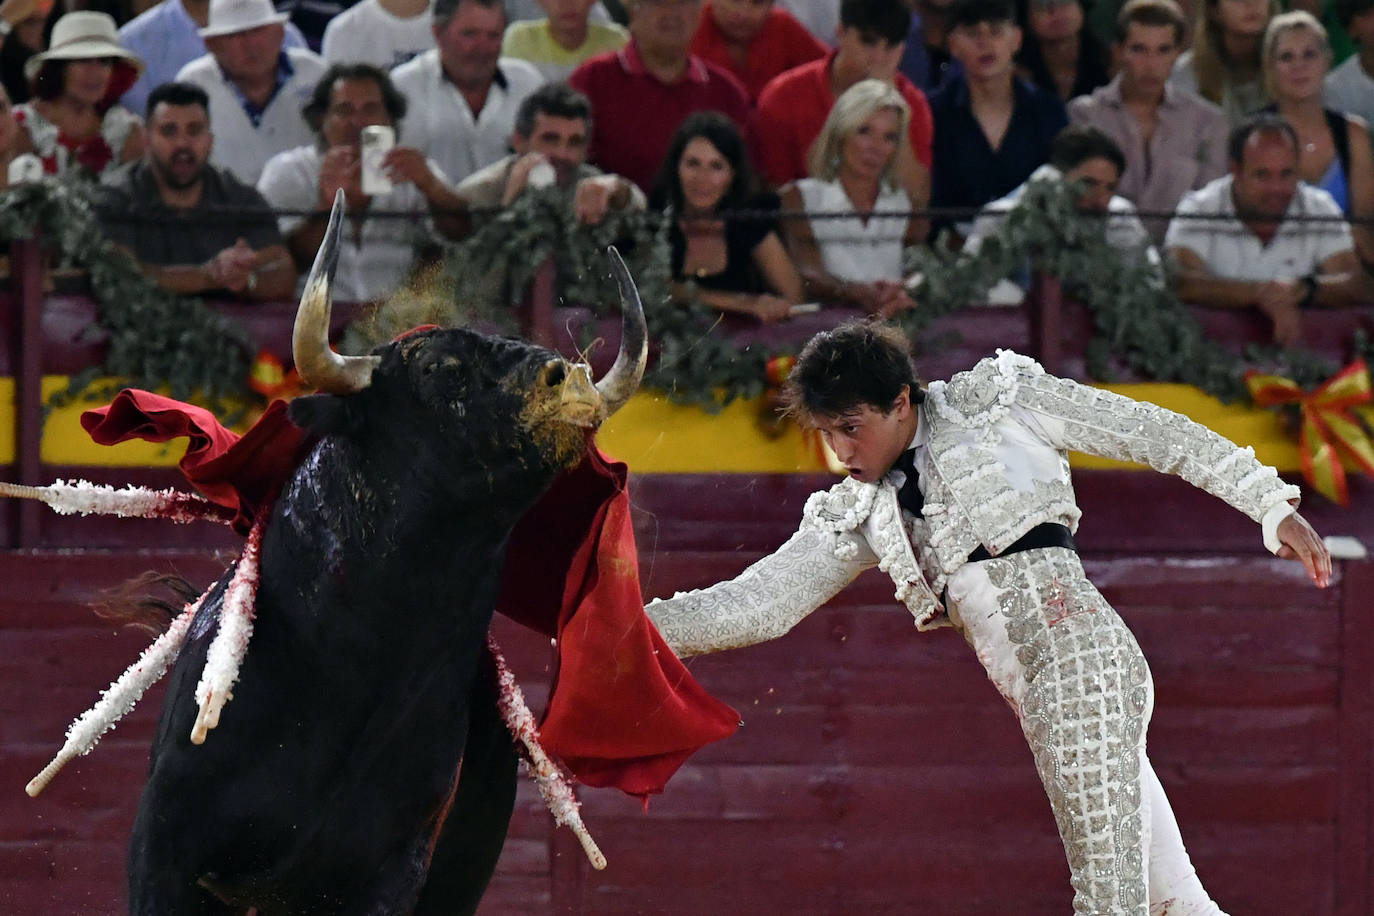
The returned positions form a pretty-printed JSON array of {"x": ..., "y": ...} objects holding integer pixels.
[{"x": 868, "y": 441}]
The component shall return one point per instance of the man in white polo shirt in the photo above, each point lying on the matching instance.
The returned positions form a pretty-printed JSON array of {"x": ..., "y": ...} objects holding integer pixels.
[
  {"x": 1275, "y": 243},
  {"x": 463, "y": 95},
  {"x": 256, "y": 87}
]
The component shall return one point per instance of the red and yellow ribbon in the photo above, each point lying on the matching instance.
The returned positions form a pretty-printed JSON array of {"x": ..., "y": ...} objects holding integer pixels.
[{"x": 1329, "y": 431}]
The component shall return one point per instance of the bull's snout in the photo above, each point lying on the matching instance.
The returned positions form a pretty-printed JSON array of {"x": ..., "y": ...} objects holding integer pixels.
[{"x": 579, "y": 403}]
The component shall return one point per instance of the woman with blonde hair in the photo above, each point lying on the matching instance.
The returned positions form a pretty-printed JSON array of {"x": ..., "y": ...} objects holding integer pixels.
[
  {"x": 72, "y": 122},
  {"x": 855, "y": 260},
  {"x": 1225, "y": 62},
  {"x": 1334, "y": 150}
]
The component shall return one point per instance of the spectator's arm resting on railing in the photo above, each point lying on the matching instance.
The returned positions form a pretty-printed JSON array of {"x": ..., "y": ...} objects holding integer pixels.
[
  {"x": 764, "y": 306},
  {"x": 818, "y": 285},
  {"x": 1279, "y": 299}
]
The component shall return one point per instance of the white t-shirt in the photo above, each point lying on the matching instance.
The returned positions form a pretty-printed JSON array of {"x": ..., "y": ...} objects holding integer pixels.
[
  {"x": 372, "y": 267},
  {"x": 368, "y": 34},
  {"x": 1231, "y": 251},
  {"x": 241, "y": 147},
  {"x": 440, "y": 124},
  {"x": 1351, "y": 90}
]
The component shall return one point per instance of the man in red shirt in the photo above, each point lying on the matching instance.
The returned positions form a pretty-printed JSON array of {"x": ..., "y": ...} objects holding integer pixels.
[
  {"x": 794, "y": 105},
  {"x": 754, "y": 40},
  {"x": 647, "y": 88}
]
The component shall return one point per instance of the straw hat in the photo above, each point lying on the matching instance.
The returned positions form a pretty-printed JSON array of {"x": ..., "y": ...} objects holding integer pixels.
[
  {"x": 81, "y": 36},
  {"x": 230, "y": 16}
]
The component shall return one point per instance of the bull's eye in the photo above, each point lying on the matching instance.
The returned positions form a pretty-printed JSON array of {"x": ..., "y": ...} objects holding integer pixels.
[{"x": 554, "y": 373}]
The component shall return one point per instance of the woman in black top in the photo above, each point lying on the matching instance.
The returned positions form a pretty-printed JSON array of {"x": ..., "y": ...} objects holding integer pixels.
[{"x": 737, "y": 263}]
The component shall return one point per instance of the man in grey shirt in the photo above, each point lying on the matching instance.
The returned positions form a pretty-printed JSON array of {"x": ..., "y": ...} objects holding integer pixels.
[{"x": 1174, "y": 141}]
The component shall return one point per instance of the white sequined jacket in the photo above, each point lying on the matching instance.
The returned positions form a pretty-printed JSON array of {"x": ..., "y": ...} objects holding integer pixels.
[{"x": 991, "y": 452}]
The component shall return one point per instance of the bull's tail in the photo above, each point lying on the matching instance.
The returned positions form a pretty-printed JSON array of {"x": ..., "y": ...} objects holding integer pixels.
[{"x": 139, "y": 602}]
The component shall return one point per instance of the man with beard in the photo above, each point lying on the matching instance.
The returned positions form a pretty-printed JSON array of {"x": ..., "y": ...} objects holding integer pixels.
[
  {"x": 1274, "y": 243},
  {"x": 194, "y": 228},
  {"x": 550, "y": 138},
  {"x": 386, "y": 226}
]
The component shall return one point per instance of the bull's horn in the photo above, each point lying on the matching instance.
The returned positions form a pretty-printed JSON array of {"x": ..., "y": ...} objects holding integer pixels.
[
  {"x": 619, "y": 383},
  {"x": 319, "y": 366}
]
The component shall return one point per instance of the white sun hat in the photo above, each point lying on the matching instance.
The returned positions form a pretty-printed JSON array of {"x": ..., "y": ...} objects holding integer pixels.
[
  {"x": 82, "y": 35},
  {"x": 230, "y": 16}
]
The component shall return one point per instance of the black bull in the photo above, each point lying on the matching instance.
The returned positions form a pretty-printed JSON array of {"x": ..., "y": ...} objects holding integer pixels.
[{"x": 332, "y": 782}]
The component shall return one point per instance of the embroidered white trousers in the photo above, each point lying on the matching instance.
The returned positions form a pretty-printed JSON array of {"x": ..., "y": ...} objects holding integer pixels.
[{"x": 1072, "y": 671}]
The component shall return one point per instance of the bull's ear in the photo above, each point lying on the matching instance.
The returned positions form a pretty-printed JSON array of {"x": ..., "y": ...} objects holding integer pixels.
[{"x": 324, "y": 414}]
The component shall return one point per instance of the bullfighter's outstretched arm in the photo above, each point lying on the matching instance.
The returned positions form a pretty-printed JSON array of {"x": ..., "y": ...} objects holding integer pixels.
[
  {"x": 1086, "y": 419},
  {"x": 767, "y": 599}
]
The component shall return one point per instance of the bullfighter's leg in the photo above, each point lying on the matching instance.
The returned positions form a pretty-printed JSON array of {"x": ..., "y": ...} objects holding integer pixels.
[
  {"x": 475, "y": 830},
  {"x": 1082, "y": 690},
  {"x": 1174, "y": 886}
]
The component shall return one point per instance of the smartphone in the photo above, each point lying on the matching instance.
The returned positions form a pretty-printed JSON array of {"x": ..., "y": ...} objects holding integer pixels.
[{"x": 377, "y": 140}]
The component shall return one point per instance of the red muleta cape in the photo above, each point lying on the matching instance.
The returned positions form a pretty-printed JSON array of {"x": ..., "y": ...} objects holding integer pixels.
[{"x": 623, "y": 712}]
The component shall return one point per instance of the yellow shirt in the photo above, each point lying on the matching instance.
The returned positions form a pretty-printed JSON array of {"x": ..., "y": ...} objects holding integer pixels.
[{"x": 532, "y": 40}]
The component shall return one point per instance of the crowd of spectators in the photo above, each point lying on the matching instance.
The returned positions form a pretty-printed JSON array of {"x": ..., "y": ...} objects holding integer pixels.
[{"x": 800, "y": 146}]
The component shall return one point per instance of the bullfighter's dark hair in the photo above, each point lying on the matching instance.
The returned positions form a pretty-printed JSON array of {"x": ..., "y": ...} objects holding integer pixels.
[
  {"x": 392, "y": 98},
  {"x": 969, "y": 13},
  {"x": 860, "y": 362},
  {"x": 889, "y": 20},
  {"x": 557, "y": 100},
  {"x": 1077, "y": 143},
  {"x": 1265, "y": 123},
  {"x": 177, "y": 94},
  {"x": 720, "y": 132},
  {"x": 444, "y": 10},
  {"x": 1156, "y": 13}
]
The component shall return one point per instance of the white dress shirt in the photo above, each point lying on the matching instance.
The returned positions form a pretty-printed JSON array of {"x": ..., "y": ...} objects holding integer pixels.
[{"x": 440, "y": 124}]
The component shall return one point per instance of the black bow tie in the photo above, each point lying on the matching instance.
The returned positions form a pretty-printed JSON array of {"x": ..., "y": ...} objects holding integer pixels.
[{"x": 909, "y": 494}]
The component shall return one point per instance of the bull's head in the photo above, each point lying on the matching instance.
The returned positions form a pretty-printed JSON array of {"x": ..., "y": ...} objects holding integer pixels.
[{"x": 557, "y": 397}]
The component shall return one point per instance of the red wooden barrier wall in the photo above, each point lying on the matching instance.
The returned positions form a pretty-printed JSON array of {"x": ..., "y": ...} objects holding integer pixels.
[{"x": 877, "y": 770}]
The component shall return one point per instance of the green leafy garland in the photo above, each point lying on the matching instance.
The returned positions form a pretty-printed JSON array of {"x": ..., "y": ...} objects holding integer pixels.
[
  {"x": 1138, "y": 322},
  {"x": 696, "y": 363},
  {"x": 157, "y": 338}
]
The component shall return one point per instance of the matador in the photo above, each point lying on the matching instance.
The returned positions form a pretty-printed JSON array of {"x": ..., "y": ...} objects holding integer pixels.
[{"x": 961, "y": 493}]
